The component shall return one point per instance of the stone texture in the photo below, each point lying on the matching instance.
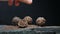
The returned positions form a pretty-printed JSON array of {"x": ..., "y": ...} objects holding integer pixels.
[{"x": 8, "y": 29}]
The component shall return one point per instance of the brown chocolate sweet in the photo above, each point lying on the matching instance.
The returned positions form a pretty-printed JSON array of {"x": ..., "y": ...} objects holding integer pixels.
[
  {"x": 15, "y": 20},
  {"x": 28, "y": 19},
  {"x": 22, "y": 23},
  {"x": 40, "y": 21}
]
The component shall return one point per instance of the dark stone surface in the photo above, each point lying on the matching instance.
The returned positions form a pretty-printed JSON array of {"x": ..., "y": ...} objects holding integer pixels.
[{"x": 30, "y": 30}]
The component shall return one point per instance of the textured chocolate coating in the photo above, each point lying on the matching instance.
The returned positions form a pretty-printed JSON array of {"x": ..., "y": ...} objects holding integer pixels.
[
  {"x": 28, "y": 19},
  {"x": 15, "y": 20},
  {"x": 40, "y": 21},
  {"x": 22, "y": 23}
]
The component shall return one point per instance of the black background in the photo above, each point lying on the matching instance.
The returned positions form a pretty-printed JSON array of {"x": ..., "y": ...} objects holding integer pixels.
[{"x": 46, "y": 8}]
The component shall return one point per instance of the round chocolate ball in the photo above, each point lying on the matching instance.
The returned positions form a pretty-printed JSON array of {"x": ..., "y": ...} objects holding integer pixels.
[
  {"x": 40, "y": 21},
  {"x": 15, "y": 20},
  {"x": 28, "y": 19},
  {"x": 22, "y": 23}
]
